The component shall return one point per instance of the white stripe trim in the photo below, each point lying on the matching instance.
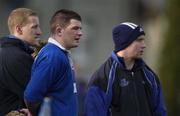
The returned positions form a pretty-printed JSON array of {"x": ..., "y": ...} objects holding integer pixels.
[
  {"x": 147, "y": 78},
  {"x": 132, "y": 25}
]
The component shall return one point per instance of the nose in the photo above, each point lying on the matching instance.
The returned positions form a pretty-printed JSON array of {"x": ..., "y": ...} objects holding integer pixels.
[
  {"x": 39, "y": 32},
  {"x": 80, "y": 32},
  {"x": 143, "y": 44}
]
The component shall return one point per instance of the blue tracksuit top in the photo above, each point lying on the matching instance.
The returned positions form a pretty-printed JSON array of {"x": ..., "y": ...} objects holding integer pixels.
[
  {"x": 52, "y": 76},
  {"x": 115, "y": 91}
]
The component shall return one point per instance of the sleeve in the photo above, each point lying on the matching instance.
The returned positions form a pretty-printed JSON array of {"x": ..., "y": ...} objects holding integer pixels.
[
  {"x": 160, "y": 109},
  {"x": 95, "y": 102},
  {"x": 44, "y": 73}
]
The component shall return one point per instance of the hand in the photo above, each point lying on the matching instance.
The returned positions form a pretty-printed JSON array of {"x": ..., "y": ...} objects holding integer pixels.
[{"x": 25, "y": 111}]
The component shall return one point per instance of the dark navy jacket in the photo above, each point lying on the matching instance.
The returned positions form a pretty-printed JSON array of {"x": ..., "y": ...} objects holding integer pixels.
[
  {"x": 115, "y": 91},
  {"x": 15, "y": 68}
]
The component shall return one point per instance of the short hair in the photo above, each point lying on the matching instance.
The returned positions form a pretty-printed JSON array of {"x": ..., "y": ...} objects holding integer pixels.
[
  {"x": 19, "y": 16},
  {"x": 62, "y": 18}
]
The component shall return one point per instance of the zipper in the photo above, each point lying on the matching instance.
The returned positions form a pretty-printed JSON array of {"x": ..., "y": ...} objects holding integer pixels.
[{"x": 135, "y": 93}]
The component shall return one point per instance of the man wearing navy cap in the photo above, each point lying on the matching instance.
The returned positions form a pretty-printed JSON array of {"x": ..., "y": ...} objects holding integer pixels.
[{"x": 124, "y": 85}]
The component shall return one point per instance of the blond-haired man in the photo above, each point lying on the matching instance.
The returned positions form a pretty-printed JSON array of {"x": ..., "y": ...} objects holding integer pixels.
[{"x": 16, "y": 59}]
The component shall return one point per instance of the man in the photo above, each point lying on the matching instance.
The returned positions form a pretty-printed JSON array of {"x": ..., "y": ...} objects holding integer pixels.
[
  {"x": 15, "y": 58},
  {"x": 124, "y": 85},
  {"x": 52, "y": 72}
]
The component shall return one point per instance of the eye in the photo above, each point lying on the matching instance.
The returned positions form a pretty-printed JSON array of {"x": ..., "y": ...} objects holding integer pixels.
[
  {"x": 140, "y": 39},
  {"x": 76, "y": 28},
  {"x": 35, "y": 26}
]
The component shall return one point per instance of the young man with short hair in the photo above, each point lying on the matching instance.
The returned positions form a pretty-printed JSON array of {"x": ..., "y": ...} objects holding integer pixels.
[
  {"x": 16, "y": 59},
  {"x": 124, "y": 85},
  {"x": 53, "y": 72}
]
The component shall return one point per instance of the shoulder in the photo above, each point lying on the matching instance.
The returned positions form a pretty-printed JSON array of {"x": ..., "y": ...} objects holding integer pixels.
[
  {"x": 153, "y": 73},
  {"x": 100, "y": 76},
  {"x": 51, "y": 54},
  {"x": 52, "y": 51}
]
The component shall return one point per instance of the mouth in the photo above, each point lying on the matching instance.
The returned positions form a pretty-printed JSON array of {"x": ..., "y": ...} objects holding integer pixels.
[
  {"x": 37, "y": 38},
  {"x": 142, "y": 52},
  {"x": 77, "y": 41},
  {"x": 77, "y": 38}
]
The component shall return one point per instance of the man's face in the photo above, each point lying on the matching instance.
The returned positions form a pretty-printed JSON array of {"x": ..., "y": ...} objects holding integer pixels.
[
  {"x": 136, "y": 48},
  {"x": 71, "y": 34},
  {"x": 31, "y": 31}
]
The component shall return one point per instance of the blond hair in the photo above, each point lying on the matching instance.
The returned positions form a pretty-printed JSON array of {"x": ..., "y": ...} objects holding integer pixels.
[{"x": 20, "y": 17}]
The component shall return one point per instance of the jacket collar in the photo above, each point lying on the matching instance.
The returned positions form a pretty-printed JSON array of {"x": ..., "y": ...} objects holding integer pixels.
[
  {"x": 11, "y": 40},
  {"x": 120, "y": 60}
]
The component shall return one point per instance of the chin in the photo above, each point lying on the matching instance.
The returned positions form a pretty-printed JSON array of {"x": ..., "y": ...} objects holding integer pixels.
[
  {"x": 73, "y": 46},
  {"x": 76, "y": 45},
  {"x": 35, "y": 43},
  {"x": 139, "y": 57}
]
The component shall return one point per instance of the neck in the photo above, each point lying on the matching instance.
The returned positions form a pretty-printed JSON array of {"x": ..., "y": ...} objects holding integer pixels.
[
  {"x": 129, "y": 62},
  {"x": 60, "y": 41},
  {"x": 17, "y": 36}
]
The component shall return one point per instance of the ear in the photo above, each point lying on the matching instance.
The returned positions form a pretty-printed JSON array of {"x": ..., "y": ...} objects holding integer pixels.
[
  {"x": 59, "y": 30},
  {"x": 18, "y": 29}
]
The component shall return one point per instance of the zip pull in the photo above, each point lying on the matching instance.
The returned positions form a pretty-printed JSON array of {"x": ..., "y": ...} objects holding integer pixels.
[{"x": 132, "y": 73}]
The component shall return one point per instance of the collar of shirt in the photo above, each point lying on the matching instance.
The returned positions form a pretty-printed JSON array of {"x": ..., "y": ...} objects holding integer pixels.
[{"x": 53, "y": 41}]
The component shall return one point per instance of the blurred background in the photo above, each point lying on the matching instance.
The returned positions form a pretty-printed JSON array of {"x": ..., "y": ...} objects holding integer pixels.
[{"x": 159, "y": 18}]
